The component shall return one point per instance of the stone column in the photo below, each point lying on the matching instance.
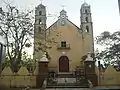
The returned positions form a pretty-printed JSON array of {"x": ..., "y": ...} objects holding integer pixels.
[
  {"x": 89, "y": 65},
  {"x": 42, "y": 71}
]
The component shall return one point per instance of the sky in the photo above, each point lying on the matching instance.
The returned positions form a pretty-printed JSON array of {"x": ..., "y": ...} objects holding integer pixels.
[{"x": 105, "y": 13}]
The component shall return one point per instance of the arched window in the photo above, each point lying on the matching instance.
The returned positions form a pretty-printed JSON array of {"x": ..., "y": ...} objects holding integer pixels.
[
  {"x": 40, "y": 22},
  {"x": 87, "y": 29},
  {"x": 40, "y": 12},
  {"x": 86, "y": 19}
]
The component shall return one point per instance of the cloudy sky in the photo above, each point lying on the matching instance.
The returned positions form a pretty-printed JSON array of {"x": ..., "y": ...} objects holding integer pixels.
[{"x": 105, "y": 13}]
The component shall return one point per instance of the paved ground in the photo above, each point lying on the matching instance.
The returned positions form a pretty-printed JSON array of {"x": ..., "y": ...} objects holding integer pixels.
[
  {"x": 70, "y": 89},
  {"x": 66, "y": 89},
  {"x": 66, "y": 80},
  {"x": 95, "y": 88},
  {"x": 107, "y": 88}
]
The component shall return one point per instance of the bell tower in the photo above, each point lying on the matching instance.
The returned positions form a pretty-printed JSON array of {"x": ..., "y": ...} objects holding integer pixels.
[
  {"x": 40, "y": 18},
  {"x": 87, "y": 28},
  {"x": 39, "y": 30},
  {"x": 86, "y": 19}
]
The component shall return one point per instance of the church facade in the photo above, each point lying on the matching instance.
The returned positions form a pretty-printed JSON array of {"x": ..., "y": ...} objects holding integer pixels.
[{"x": 64, "y": 42}]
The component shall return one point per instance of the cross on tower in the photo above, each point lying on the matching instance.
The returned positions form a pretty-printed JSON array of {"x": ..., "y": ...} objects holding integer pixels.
[
  {"x": 41, "y": 1},
  {"x": 63, "y": 6},
  {"x": 84, "y": 1}
]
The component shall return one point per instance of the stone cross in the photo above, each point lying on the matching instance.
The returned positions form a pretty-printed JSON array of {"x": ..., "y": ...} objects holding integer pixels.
[
  {"x": 84, "y": 1},
  {"x": 63, "y": 6},
  {"x": 41, "y": 1}
]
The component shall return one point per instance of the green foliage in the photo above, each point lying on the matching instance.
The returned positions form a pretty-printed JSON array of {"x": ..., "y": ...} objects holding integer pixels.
[
  {"x": 26, "y": 61},
  {"x": 110, "y": 43}
]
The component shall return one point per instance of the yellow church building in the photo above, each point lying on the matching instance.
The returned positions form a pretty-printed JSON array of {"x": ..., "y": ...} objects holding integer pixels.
[{"x": 67, "y": 42}]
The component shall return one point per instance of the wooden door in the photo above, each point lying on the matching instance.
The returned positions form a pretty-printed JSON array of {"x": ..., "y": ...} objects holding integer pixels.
[{"x": 63, "y": 64}]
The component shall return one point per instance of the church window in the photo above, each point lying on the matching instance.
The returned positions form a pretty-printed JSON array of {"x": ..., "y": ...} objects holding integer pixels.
[
  {"x": 86, "y": 19},
  {"x": 63, "y": 44},
  {"x": 87, "y": 29},
  {"x": 40, "y": 22},
  {"x": 40, "y": 12}
]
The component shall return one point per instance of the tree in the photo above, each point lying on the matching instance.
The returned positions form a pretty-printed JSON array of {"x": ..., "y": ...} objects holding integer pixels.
[
  {"x": 26, "y": 61},
  {"x": 46, "y": 43},
  {"x": 110, "y": 43},
  {"x": 17, "y": 28}
]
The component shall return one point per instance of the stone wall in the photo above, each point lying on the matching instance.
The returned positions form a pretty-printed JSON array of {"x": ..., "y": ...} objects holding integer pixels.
[
  {"x": 110, "y": 77},
  {"x": 20, "y": 79}
]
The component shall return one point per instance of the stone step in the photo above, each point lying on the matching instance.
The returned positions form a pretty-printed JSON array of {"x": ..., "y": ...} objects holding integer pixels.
[
  {"x": 66, "y": 86},
  {"x": 69, "y": 74},
  {"x": 66, "y": 80},
  {"x": 65, "y": 75},
  {"x": 68, "y": 89},
  {"x": 65, "y": 89}
]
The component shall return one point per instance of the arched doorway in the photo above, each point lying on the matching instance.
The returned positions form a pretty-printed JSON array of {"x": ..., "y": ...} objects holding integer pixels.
[{"x": 63, "y": 64}]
